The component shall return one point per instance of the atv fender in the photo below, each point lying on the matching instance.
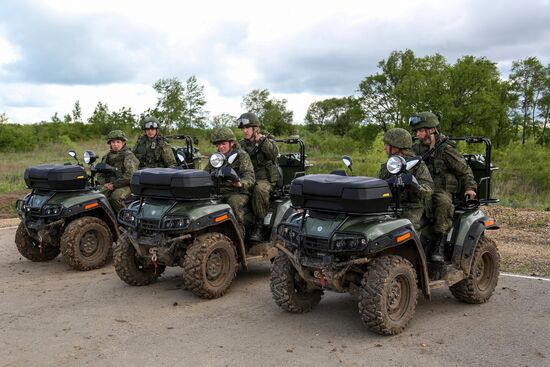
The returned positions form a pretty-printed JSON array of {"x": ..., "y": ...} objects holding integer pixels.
[{"x": 463, "y": 253}]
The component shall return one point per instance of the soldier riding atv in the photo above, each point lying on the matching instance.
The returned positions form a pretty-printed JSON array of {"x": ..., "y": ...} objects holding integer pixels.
[
  {"x": 66, "y": 213},
  {"x": 348, "y": 238},
  {"x": 181, "y": 220}
]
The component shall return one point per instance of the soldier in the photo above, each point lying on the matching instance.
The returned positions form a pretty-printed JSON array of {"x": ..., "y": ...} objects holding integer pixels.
[
  {"x": 235, "y": 193},
  {"x": 151, "y": 149},
  {"x": 449, "y": 172},
  {"x": 414, "y": 198},
  {"x": 116, "y": 185},
  {"x": 263, "y": 153}
]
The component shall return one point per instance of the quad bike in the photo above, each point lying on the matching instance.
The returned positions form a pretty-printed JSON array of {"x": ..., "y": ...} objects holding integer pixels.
[
  {"x": 349, "y": 238},
  {"x": 181, "y": 220},
  {"x": 65, "y": 212}
]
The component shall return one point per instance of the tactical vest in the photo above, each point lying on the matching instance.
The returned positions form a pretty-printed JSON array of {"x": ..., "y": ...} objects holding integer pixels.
[
  {"x": 442, "y": 177},
  {"x": 264, "y": 167},
  {"x": 116, "y": 159},
  {"x": 149, "y": 151}
]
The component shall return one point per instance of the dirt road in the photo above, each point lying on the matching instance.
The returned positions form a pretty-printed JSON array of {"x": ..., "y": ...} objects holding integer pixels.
[{"x": 51, "y": 315}]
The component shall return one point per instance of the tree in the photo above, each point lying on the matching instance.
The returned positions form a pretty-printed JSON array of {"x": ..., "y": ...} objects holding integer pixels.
[
  {"x": 77, "y": 112},
  {"x": 194, "y": 114},
  {"x": 3, "y": 118},
  {"x": 223, "y": 119},
  {"x": 339, "y": 115},
  {"x": 100, "y": 118},
  {"x": 55, "y": 118},
  {"x": 273, "y": 113},
  {"x": 527, "y": 77}
]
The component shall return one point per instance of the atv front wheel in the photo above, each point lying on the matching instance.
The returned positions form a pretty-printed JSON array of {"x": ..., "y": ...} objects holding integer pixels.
[
  {"x": 479, "y": 286},
  {"x": 290, "y": 291},
  {"x": 388, "y": 295},
  {"x": 131, "y": 268},
  {"x": 210, "y": 265},
  {"x": 86, "y": 243},
  {"x": 30, "y": 248}
]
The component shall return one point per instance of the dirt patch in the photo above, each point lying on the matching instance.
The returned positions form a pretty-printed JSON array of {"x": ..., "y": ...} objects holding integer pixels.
[
  {"x": 523, "y": 240},
  {"x": 7, "y": 203}
]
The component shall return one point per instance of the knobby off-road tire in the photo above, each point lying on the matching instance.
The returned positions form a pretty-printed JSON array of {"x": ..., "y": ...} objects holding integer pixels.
[
  {"x": 210, "y": 265},
  {"x": 30, "y": 249},
  {"x": 290, "y": 291},
  {"x": 479, "y": 286},
  {"x": 130, "y": 268},
  {"x": 87, "y": 243},
  {"x": 388, "y": 295}
]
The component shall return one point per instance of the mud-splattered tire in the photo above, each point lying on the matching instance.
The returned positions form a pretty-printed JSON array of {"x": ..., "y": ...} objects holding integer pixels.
[
  {"x": 388, "y": 295},
  {"x": 87, "y": 243},
  {"x": 479, "y": 286},
  {"x": 30, "y": 249},
  {"x": 288, "y": 290},
  {"x": 130, "y": 268},
  {"x": 210, "y": 265}
]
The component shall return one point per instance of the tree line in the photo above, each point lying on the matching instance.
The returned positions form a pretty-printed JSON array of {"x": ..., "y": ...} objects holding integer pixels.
[{"x": 470, "y": 94}]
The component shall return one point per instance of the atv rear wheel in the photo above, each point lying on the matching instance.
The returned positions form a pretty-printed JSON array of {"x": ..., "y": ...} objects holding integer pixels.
[
  {"x": 30, "y": 248},
  {"x": 130, "y": 267},
  {"x": 479, "y": 286},
  {"x": 210, "y": 265},
  {"x": 388, "y": 295},
  {"x": 290, "y": 291},
  {"x": 86, "y": 243}
]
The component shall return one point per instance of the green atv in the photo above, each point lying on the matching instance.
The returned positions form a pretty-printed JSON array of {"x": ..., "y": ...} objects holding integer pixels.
[
  {"x": 349, "y": 239},
  {"x": 180, "y": 220},
  {"x": 66, "y": 213}
]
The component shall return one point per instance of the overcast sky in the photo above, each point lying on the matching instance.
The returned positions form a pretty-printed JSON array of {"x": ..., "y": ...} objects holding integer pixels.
[{"x": 53, "y": 53}]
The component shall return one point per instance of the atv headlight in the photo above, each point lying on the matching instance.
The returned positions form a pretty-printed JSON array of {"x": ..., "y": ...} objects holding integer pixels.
[
  {"x": 127, "y": 217},
  {"x": 175, "y": 222},
  {"x": 347, "y": 242},
  {"x": 89, "y": 157},
  {"x": 216, "y": 160},
  {"x": 396, "y": 164},
  {"x": 52, "y": 209}
]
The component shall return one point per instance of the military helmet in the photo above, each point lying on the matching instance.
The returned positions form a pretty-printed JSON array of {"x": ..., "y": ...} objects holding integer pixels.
[
  {"x": 423, "y": 120},
  {"x": 150, "y": 122},
  {"x": 222, "y": 134},
  {"x": 399, "y": 138},
  {"x": 248, "y": 119},
  {"x": 116, "y": 134}
]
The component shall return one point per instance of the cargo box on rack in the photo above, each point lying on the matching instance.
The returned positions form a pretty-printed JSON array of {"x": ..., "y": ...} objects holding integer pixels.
[
  {"x": 56, "y": 177},
  {"x": 355, "y": 194},
  {"x": 171, "y": 183}
]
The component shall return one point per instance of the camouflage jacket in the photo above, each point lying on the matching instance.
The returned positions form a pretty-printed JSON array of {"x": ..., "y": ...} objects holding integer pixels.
[
  {"x": 125, "y": 163},
  {"x": 414, "y": 199},
  {"x": 154, "y": 152},
  {"x": 449, "y": 170},
  {"x": 263, "y": 155},
  {"x": 244, "y": 169}
]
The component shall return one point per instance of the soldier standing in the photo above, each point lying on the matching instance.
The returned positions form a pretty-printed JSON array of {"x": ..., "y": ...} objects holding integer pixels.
[
  {"x": 117, "y": 184},
  {"x": 449, "y": 172},
  {"x": 235, "y": 193},
  {"x": 152, "y": 149},
  {"x": 263, "y": 153},
  {"x": 414, "y": 198}
]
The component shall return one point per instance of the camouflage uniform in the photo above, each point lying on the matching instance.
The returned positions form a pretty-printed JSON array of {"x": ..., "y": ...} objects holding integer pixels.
[
  {"x": 154, "y": 152},
  {"x": 126, "y": 164},
  {"x": 450, "y": 172},
  {"x": 237, "y": 197},
  {"x": 413, "y": 203}
]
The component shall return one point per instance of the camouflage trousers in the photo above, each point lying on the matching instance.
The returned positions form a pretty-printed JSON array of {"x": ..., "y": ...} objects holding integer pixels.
[
  {"x": 414, "y": 215},
  {"x": 237, "y": 202},
  {"x": 442, "y": 212},
  {"x": 117, "y": 197},
  {"x": 260, "y": 199}
]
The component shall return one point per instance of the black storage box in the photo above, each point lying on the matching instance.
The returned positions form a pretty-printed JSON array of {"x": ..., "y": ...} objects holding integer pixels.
[
  {"x": 172, "y": 183},
  {"x": 56, "y": 177},
  {"x": 355, "y": 194}
]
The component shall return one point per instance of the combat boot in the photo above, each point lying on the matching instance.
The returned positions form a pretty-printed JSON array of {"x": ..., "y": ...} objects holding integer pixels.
[
  {"x": 438, "y": 254},
  {"x": 256, "y": 235}
]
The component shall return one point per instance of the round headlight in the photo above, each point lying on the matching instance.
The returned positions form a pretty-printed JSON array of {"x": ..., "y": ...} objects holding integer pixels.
[
  {"x": 217, "y": 159},
  {"x": 89, "y": 157},
  {"x": 395, "y": 164}
]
